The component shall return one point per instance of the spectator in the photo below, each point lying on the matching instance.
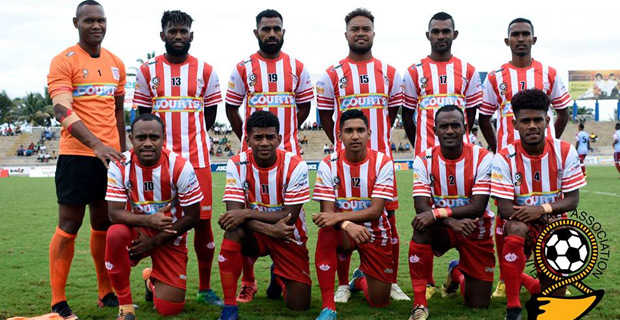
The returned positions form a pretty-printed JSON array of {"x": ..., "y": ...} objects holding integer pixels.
[
  {"x": 331, "y": 148},
  {"x": 21, "y": 151},
  {"x": 304, "y": 140},
  {"x": 216, "y": 129},
  {"x": 326, "y": 149},
  {"x": 393, "y": 147},
  {"x": 18, "y": 130},
  {"x": 301, "y": 151},
  {"x": 473, "y": 137},
  {"x": 10, "y": 131},
  {"x": 31, "y": 146},
  {"x": 230, "y": 153},
  {"x": 54, "y": 155},
  {"x": 218, "y": 152},
  {"x": 229, "y": 129},
  {"x": 407, "y": 146},
  {"x": 315, "y": 126},
  {"x": 401, "y": 148}
]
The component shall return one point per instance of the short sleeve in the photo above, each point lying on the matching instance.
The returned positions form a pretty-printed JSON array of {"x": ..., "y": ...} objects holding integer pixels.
[
  {"x": 122, "y": 81},
  {"x": 188, "y": 188},
  {"x": 233, "y": 190},
  {"x": 396, "y": 92},
  {"x": 325, "y": 93},
  {"x": 384, "y": 185},
  {"x": 142, "y": 96},
  {"x": 560, "y": 98},
  {"x": 213, "y": 94},
  {"x": 116, "y": 191},
  {"x": 236, "y": 88},
  {"x": 324, "y": 184},
  {"x": 490, "y": 101},
  {"x": 482, "y": 183},
  {"x": 60, "y": 78},
  {"x": 410, "y": 93},
  {"x": 501, "y": 179},
  {"x": 572, "y": 176},
  {"x": 421, "y": 182},
  {"x": 473, "y": 94},
  {"x": 298, "y": 187},
  {"x": 303, "y": 92}
]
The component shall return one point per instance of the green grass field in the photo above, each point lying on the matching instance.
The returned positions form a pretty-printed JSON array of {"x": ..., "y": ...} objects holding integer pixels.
[{"x": 29, "y": 217}]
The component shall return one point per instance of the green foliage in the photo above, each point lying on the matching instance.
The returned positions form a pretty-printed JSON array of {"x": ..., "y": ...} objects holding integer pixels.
[
  {"x": 6, "y": 105},
  {"x": 33, "y": 108}
]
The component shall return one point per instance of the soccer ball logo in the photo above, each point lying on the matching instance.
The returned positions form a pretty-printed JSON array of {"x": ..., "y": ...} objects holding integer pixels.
[{"x": 566, "y": 251}]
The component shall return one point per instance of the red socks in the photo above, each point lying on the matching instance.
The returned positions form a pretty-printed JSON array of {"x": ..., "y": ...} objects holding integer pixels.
[
  {"x": 344, "y": 262},
  {"x": 513, "y": 262},
  {"x": 167, "y": 308},
  {"x": 326, "y": 262},
  {"x": 62, "y": 248},
  {"x": 205, "y": 248},
  {"x": 230, "y": 261},
  {"x": 420, "y": 268},
  {"x": 458, "y": 277},
  {"x": 248, "y": 270},
  {"x": 395, "y": 247},
  {"x": 532, "y": 285},
  {"x": 117, "y": 262}
]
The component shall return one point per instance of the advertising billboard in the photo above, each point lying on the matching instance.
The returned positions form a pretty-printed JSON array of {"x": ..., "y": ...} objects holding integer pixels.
[{"x": 593, "y": 84}]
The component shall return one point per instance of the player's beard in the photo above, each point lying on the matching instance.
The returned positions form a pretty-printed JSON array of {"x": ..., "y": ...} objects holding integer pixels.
[
  {"x": 361, "y": 49},
  {"x": 171, "y": 50},
  {"x": 443, "y": 50},
  {"x": 270, "y": 48}
]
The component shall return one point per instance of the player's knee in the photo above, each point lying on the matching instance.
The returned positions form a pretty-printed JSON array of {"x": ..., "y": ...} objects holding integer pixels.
[
  {"x": 422, "y": 237},
  {"x": 516, "y": 228},
  {"x": 167, "y": 308},
  {"x": 479, "y": 302},
  {"x": 117, "y": 234},
  {"x": 236, "y": 234}
]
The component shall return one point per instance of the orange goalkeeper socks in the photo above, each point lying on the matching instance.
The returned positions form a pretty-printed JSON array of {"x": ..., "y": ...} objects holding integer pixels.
[{"x": 62, "y": 248}]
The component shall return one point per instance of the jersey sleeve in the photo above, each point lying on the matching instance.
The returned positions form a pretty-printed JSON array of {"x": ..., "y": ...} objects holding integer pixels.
[
  {"x": 60, "y": 77},
  {"x": 324, "y": 184},
  {"x": 298, "y": 188},
  {"x": 490, "y": 101},
  {"x": 116, "y": 191},
  {"x": 303, "y": 92},
  {"x": 410, "y": 92},
  {"x": 384, "y": 185},
  {"x": 142, "y": 97},
  {"x": 325, "y": 93},
  {"x": 421, "y": 182},
  {"x": 502, "y": 185},
  {"x": 233, "y": 191},
  {"x": 482, "y": 184},
  {"x": 236, "y": 88},
  {"x": 213, "y": 94},
  {"x": 572, "y": 176},
  {"x": 560, "y": 98},
  {"x": 396, "y": 92},
  {"x": 473, "y": 93},
  {"x": 615, "y": 137},
  {"x": 188, "y": 188},
  {"x": 122, "y": 81}
]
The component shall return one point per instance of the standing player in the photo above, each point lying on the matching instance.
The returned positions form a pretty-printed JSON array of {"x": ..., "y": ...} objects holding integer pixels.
[
  {"x": 164, "y": 195},
  {"x": 352, "y": 186},
  {"x": 522, "y": 72},
  {"x": 266, "y": 188},
  {"x": 87, "y": 86},
  {"x": 439, "y": 79},
  {"x": 363, "y": 82},
  {"x": 273, "y": 81},
  {"x": 582, "y": 144},
  {"x": 616, "y": 145},
  {"x": 535, "y": 181},
  {"x": 451, "y": 188},
  {"x": 184, "y": 92}
]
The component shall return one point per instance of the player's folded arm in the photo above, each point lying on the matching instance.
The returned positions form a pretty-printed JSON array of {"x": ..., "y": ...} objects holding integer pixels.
[
  {"x": 475, "y": 209},
  {"x": 118, "y": 215},
  {"x": 371, "y": 213},
  {"x": 182, "y": 225}
]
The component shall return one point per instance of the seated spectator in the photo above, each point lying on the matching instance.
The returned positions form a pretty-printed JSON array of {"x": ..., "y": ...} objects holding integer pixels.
[
  {"x": 18, "y": 130},
  {"x": 31, "y": 146},
  {"x": 230, "y": 153},
  {"x": 331, "y": 148},
  {"x": 301, "y": 151},
  {"x": 40, "y": 156},
  {"x": 325, "y": 149},
  {"x": 218, "y": 152},
  {"x": 229, "y": 130},
  {"x": 212, "y": 151},
  {"x": 43, "y": 148},
  {"x": 21, "y": 151},
  {"x": 393, "y": 146},
  {"x": 47, "y": 157},
  {"x": 42, "y": 136},
  {"x": 224, "y": 140},
  {"x": 401, "y": 148},
  {"x": 54, "y": 155},
  {"x": 10, "y": 131},
  {"x": 304, "y": 140},
  {"x": 28, "y": 152},
  {"x": 407, "y": 146},
  {"x": 216, "y": 129},
  {"x": 315, "y": 126}
]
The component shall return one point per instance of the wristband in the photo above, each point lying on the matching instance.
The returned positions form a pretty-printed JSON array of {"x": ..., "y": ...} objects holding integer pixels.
[
  {"x": 344, "y": 224},
  {"x": 440, "y": 213},
  {"x": 547, "y": 208}
]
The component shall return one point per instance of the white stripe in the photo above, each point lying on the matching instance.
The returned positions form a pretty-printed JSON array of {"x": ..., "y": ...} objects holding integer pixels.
[
  {"x": 460, "y": 180},
  {"x": 139, "y": 182},
  {"x": 443, "y": 180},
  {"x": 199, "y": 119},
  {"x": 450, "y": 78}
]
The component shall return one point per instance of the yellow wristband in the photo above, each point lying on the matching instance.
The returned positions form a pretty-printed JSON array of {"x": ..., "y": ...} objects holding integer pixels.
[
  {"x": 547, "y": 208},
  {"x": 345, "y": 224}
]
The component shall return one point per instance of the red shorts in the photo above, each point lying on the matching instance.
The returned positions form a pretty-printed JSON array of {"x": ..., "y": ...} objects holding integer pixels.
[
  {"x": 393, "y": 205},
  {"x": 205, "y": 181},
  {"x": 476, "y": 256},
  {"x": 582, "y": 158},
  {"x": 290, "y": 261},
  {"x": 169, "y": 263},
  {"x": 616, "y": 157},
  {"x": 375, "y": 260},
  {"x": 499, "y": 225}
]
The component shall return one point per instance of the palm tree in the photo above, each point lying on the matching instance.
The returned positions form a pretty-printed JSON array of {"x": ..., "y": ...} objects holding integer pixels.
[
  {"x": 33, "y": 108},
  {"x": 148, "y": 57}
]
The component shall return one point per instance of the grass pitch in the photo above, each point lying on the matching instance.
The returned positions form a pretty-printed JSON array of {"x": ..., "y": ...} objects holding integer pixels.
[{"x": 29, "y": 217}]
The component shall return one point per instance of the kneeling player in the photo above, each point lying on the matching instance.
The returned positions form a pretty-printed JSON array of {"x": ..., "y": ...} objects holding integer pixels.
[
  {"x": 164, "y": 195},
  {"x": 535, "y": 181},
  {"x": 451, "y": 187},
  {"x": 352, "y": 186},
  {"x": 265, "y": 190}
]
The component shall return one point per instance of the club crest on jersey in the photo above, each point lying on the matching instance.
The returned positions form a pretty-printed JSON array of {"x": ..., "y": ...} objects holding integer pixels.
[
  {"x": 128, "y": 185},
  {"x": 386, "y": 80},
  {"x": 502, "y": 88},
  {"x": 423, "y": 82},
  {"x": 84, "y": 73},
  {"x": 252, "y": 79},
  {"x": 115, "y": 73},
  {"x": 432, "y": 180},
  {"x": 155, "y": 83},
  {"x": 246, "y": 185},
  {"x": 518, "y": 179},
  {"x": 344, "y": 82},
  {"x": 336, "y": 181},
  {"x": 70, "y": 53}
]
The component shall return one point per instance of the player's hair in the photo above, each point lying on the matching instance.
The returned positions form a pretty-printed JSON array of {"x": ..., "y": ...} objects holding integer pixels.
[
  {"x": 530, "y": 99},
  {"x": 618, "y": 126},
  {"x": 519, "y": 20},
  {"x": 441, "y": 16},
  {"x": 176, "y": 17},
  {"x": 352, "y": 114},
  {"x": 87, "y": 3},
  {"x": 359, "y": 12},
  {"x": 263, "y": 119},
  {"x": 598, "y": 75},
  {"x": 148, "y": 117},
  {"x": 268, "y": 13},
  {"x": 474, "y": 129},
  {"x": 581, "y": 126},
  {"x": 448, "y": 108}
]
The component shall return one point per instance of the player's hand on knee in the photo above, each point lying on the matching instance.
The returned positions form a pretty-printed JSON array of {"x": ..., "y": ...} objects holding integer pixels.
[
  {"x": 464, "y": 226},
  {"x": 141, "y": 246},
  {"x": 106, "y": 154},
  {"x": 423, "y": 220},
  {"x": 326, "y": 219},
  {"x": 232, "y": 219},
  {"x": 358, "y": 233},
  {"x": 281, "y": 229},
  {"x": 160, "y": 222},
  {"x": 527, "y": 213}
]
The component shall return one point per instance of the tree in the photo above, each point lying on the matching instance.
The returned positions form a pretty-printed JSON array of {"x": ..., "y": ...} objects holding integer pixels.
[
  {"x": 6, "y": 105},
  {"x": 32, "y": 108},
  {"x": 148, "y": 57}
]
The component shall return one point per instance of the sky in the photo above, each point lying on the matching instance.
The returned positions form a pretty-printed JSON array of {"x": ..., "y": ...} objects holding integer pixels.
[{"x": 571, "y": 35}]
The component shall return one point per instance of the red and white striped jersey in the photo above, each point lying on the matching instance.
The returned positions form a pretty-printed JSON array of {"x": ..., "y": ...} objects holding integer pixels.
[
  {"x": 501, "y": 85},
  {"x": 535, "y": 180},
  {"x": 178, "y": 94},
  {"x": 148, "y": 189},
  {"x": 353, "y": 185},
  {"x": 430, "y": 85},
  {"x": 371, "y": 86},
  {"x": 269, "y": 189},
  {"x": 276, "y": 86},
  {"x": 452, "y": 183}
]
